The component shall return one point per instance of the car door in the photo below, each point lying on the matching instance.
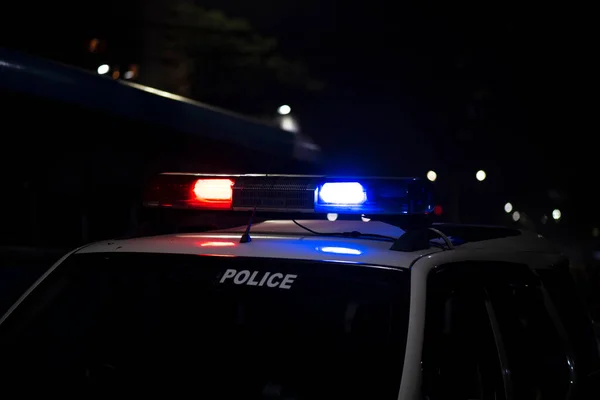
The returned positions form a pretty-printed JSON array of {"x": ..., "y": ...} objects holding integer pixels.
[{"x": 492, "y": 332}]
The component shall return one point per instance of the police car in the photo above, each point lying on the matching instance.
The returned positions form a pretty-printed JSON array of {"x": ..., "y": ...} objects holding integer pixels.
[{"x": 330, "y": 288}]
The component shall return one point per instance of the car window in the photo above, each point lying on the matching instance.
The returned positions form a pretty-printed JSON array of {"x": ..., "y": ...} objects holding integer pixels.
[
  {"x": 461, "y": 359},
  {"x": 535, "y": 355},
  {"x": 560, "y": 285},
  {"x": 207, "y": 327}
]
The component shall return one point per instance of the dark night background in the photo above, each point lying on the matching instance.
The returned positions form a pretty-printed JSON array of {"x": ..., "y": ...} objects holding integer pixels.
[
  {"x": 403, "y": 88},
  {"x": 383, "y": 88}
]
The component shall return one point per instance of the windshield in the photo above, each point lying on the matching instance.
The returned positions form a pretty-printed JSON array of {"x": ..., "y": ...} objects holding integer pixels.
[{"x": 212, "y": 327}]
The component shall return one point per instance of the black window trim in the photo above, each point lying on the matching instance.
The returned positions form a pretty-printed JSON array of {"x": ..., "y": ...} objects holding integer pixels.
[
  {"x": 502, "y": 357},
  {"x": 562, "y": 333}
]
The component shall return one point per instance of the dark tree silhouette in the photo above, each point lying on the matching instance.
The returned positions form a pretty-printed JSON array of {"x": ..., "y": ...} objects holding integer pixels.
[{"x": 216, "y": 59}]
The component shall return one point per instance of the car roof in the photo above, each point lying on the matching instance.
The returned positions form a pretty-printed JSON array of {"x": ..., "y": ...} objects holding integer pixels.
[
  {"x": 495, "y": 238},
  {"x": 278, "y": 239},
  {"x": 287, "y": 240}
]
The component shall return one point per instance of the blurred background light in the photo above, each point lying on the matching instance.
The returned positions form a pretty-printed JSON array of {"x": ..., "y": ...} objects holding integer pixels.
[
  {"x": 103, "y": 69},
  {"x": 284, "y": 110},
  {"x": 556, "y": 214},
  {"x": 480, "y": 175},
  {"x": 432, "y": 176}
]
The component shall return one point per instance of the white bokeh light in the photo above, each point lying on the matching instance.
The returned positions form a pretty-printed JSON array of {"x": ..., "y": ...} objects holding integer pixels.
[
  {"x": 508, "y": 207},
  {"x": 480, "y": 175},
  {"x": 432, "y": 176},
  {"x": 332, "y": 217},
  {"x": 364, "y": 219},
  {"x": 103, "y": 69},
  {"x": 288, "y": 123},
  {"x": 284, "y": 110},
  {"x": 556, "y": 214},
  {"x": 516, "y": 216}
]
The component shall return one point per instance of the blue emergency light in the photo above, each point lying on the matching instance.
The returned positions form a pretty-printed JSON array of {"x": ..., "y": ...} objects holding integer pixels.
[
  {"x": 342, "y": 193},
  {"x": 292, "y": 193}
]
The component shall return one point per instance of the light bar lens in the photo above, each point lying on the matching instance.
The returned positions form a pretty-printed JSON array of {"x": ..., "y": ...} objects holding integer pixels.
[
  {"x": 373, "y": 196},
  {"x": 343, "y": 193},
  {"x": 189, "y": 191},
  {"x": 214, "y": 189}
]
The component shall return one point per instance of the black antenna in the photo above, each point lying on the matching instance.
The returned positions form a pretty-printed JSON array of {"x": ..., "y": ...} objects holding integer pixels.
[{"x": 246, "y": 236}]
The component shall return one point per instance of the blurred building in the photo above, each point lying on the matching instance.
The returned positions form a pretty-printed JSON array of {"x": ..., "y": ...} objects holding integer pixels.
[{"x": 79, "y": 177}]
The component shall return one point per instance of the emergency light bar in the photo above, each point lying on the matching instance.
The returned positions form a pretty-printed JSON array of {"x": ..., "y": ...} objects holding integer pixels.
[{"x": 291, "y": 193}]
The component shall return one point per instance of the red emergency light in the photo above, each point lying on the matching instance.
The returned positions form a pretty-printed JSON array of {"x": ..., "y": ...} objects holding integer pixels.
[
  {"x": 191, "y": 191},
  {"x": 214, "y": 193}
]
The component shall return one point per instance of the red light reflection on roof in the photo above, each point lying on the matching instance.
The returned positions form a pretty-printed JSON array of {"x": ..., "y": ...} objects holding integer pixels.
[{"x": 217, "y": 244}]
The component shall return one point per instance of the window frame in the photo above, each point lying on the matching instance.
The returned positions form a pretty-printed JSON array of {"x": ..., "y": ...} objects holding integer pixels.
[
  {"x": 481, "y": 268},
  {"x": 432, "y": 279}
]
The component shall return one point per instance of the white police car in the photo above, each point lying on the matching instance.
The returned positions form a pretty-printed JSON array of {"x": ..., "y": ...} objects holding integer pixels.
[{"x": 304, "y": 309}]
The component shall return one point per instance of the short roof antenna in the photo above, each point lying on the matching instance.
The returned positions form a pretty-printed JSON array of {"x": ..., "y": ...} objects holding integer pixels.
[{"x": 246, "y": 236}]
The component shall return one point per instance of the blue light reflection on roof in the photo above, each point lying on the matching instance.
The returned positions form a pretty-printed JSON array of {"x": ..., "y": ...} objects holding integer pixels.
[{"x": 340, "y": 250}]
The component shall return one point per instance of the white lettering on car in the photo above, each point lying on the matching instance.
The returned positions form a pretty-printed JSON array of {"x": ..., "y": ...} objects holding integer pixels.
[
  {"x": 264, "y": 279},
  {"x": 241, "y": 277},
  {"x": 251, "y": 281},
  {"x": 271, "y": 282},
  {"x": 257, "y": 278},
  {"x": 230, "y": 273}
]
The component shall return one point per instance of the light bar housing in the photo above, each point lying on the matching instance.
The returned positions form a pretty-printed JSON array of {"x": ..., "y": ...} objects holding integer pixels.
[{"x": 291, "y": 193}]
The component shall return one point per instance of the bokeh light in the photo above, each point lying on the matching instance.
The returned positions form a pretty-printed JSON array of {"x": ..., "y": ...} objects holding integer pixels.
[
  {"x": 556, "y": 214},
  {"x": 103, "y": 69},
  {"x": 432, "y": 176},
  {"x": 508, "y": 207},
  {"x": 288, "y": 123},
  {"x": 480, "y": 175},
  {"x": 284, "y": 109}
]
